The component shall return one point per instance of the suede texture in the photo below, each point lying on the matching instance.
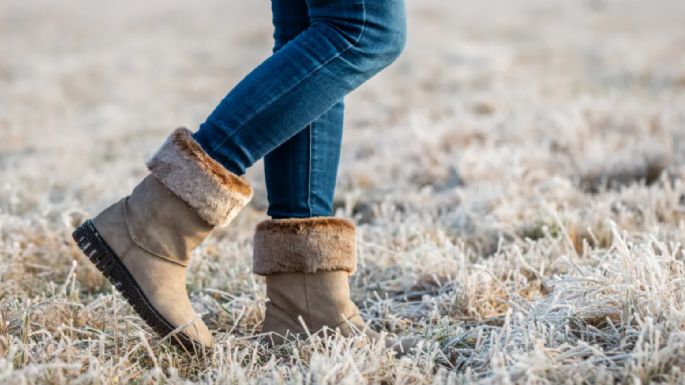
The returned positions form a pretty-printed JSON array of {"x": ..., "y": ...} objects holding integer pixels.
[
  {"x": 162, "y": 280},
  {"x": 183, "y": 229},
  {"x": 321, "y": 299},
  {"x": 304, "y": 245},
  {"x": 301, "y": 303},
  {"x": 154, "y": 230},
  {"x": 184, "y": 168}
]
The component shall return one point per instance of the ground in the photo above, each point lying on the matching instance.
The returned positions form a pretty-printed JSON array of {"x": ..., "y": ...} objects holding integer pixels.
[{"x": 516, "y": 177}]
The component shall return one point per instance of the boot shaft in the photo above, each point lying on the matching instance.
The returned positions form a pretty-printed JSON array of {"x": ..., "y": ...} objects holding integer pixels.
[
  {"x": 176, "y": 207},
  {"x": 321, "y": 299},
  {"x": 161, "y": 223}
]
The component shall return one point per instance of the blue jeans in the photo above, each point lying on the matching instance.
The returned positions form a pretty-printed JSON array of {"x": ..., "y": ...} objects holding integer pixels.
[{"x": 289, "y": 110}]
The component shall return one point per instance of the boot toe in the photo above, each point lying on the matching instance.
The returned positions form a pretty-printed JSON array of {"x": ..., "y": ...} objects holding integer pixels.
[{"x": 199, "y": 333}]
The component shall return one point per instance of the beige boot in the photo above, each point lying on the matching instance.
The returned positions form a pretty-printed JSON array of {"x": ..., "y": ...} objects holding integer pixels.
[
  {"x": 142, "y": 243},
  {"x": 307, "y": 263}
]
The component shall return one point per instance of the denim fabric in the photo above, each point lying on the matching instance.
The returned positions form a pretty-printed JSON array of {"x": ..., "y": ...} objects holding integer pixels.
[
  {"x": 301, "y": 173},
  {"x": 289, "y": 109}
]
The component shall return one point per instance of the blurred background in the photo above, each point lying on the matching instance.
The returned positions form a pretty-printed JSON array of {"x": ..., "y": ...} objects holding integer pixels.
[
  {"x": 486, "y": 170},
  {"x": 88, "y": 90}
]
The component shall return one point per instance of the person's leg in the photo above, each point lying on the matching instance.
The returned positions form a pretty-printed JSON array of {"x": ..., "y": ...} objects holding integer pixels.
[
  {"x": 301, "y": 173},
  {"x": 305, "y": 254},
  {"x": 346, "y": 43}
]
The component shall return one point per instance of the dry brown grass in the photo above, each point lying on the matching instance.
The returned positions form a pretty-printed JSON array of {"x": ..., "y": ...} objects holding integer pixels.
[{"x": 517, "y": 178}]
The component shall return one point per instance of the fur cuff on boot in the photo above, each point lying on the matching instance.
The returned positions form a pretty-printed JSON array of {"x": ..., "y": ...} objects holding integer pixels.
[
  {"x": 306, "y": 245},
  {"x": 184, "y": 168}
]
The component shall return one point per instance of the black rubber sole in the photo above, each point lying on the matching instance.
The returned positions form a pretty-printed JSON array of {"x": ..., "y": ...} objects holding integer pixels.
[{"x": 103, "y": 257}]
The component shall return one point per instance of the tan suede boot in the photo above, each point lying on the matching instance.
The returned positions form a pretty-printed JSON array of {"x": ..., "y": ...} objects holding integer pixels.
[
  {"x": 307, "y": 263},
  {"x": 142, "y": 243}
]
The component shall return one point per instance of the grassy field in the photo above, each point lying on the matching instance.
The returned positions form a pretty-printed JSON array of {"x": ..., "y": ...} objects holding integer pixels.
[{"x": 517, "y": 180}]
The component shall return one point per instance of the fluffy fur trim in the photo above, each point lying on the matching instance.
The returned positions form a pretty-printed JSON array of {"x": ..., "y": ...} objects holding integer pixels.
[
  {"x": 304, "y": 245},
  {"x": 184, "y": 168}
]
